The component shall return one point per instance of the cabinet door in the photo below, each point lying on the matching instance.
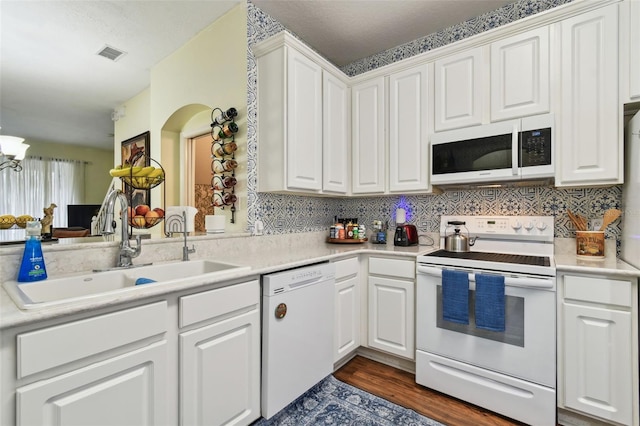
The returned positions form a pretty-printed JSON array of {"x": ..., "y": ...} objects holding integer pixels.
[
  {"x": 125, "y": 390},
  {"x": 590, "y": 143},
  {"x": 391, "y": 316},
  {"x": 458, "y": 90},
  {"x": 408, "y": 112},
  {"x": 220, "y": 372},
  {"x": 634, "y": 56},
  {"x": 347, "y": 317},
  {"x": 304, "y": 125},
  {"x": 335, "y": 134},
  {"x": 597, "y": 360},
  {"x": 520, "y": 75},
  {"x": 368, "y": 137}
]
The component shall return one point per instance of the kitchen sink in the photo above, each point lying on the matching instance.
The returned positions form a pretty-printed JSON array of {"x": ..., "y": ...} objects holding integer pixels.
[{"x": 76, "y": 288}]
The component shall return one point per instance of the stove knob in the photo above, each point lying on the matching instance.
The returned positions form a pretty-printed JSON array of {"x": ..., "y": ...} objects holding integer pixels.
[
  {"x": 516, "y": 225},
  {"x": 528, "y": 226},
  {"x": 541, "y": 226}
]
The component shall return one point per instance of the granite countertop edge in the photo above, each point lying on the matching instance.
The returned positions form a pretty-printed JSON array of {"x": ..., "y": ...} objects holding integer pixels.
[
  {"x": 12, "y": 316},
  {"x": 269, "y": 261}
]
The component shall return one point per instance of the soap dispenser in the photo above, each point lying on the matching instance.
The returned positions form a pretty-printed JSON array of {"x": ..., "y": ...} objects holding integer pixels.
[{"x": 32, "y": 267}]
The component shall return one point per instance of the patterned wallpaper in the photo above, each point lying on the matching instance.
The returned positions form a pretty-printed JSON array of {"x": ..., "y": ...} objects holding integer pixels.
[{"x": 289, "y": 213}]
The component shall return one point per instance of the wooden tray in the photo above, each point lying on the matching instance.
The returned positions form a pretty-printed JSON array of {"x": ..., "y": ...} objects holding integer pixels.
[{"x": 346, "y": 241}]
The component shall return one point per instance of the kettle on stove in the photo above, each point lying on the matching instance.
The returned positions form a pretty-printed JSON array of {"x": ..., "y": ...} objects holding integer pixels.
[{"x": 458, "y": 242}]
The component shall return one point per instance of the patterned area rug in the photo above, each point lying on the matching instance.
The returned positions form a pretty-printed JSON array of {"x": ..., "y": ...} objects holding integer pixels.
[{"x": 332, "y": 402}]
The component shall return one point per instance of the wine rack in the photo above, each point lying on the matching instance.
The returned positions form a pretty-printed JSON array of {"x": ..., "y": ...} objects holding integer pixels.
[{"x": 223, "y": 162}]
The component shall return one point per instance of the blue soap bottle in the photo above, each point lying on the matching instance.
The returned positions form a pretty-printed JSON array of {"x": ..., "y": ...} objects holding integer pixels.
[{"x": 32, "y": 267}]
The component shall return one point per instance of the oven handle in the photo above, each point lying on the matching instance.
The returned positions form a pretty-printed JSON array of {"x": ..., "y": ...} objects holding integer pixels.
[{"x": 509, "y": 281}]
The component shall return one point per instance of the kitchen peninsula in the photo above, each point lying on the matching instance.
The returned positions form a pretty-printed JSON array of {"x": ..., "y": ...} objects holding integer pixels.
[{"x": 178, "y": 303}]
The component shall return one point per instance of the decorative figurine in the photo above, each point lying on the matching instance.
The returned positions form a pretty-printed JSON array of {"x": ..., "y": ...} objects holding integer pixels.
[{"x": 47, "y": 220}]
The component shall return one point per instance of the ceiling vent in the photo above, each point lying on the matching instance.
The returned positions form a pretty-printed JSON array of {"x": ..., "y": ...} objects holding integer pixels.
[{"x": 111, "y": 53}]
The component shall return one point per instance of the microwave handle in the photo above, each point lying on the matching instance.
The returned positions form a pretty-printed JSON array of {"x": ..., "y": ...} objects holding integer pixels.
[{"x": 509, "y": 281}]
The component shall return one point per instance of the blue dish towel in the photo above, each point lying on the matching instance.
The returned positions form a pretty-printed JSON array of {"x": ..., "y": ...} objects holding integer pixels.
[
  {"x": 490, "y": 302},
  {"x": 455, "y": 296},
  {"x": 141, "y": 281}
]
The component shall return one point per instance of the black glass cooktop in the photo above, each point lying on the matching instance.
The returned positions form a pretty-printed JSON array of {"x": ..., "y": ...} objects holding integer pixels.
[{"x": 494, "y": 257}]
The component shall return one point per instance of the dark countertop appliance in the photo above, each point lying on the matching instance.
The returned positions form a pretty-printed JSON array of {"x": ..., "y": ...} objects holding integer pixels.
[{"x": 406, "y": 235}]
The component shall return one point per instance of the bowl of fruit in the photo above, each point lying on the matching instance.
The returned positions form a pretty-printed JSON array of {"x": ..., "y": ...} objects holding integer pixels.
[
  {"x": 142, "y": 216},
  {"x": 139, "y": 177}
]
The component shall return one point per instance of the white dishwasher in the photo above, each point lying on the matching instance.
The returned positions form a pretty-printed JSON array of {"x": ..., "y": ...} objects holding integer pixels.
[{"x": 297, "y": 333}]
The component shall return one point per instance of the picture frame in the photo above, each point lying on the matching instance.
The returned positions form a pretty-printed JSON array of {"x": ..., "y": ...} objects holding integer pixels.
[{"x": 130, "y": 148}]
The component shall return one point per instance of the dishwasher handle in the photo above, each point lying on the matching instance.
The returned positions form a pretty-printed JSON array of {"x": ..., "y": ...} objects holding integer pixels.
[{"x": 519, "y": 281}]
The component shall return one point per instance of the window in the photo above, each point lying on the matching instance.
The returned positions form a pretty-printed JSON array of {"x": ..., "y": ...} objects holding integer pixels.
[{"x": 41, "y": 182}]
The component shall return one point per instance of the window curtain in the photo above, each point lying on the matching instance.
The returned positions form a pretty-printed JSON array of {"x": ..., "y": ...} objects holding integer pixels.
[{"x": 41, "y": 182}]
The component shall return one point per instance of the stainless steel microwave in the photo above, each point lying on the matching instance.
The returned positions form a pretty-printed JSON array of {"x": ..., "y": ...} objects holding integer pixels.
[{"x": 511, "y": 150}]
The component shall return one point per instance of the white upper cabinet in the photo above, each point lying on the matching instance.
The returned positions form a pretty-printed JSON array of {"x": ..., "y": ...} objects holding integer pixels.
[
  {"x": 634, "y": 50},
  {"x": 289, "y": 122},
  {"x": 335, "y": 134},
  {"x": 408, "y": 112},
  {"x": 520, "y": 75},
  {"x": 304, "y": 124},
  {"x": 630, "y": 51},
  {"x": 589, "y": 134},
  {"x": 368, "y": 137},
  {"x": 303, "y": 120},
  {"x": 458, "y": 90}
]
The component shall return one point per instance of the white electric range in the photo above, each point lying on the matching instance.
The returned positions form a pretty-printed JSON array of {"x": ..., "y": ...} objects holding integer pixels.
[{"x": 509, "y": 370}]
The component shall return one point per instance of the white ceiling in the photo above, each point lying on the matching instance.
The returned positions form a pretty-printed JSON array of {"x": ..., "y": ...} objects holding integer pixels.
[
  {"x": 347, "y": 30},
  {"x": 54, "y": 87}
]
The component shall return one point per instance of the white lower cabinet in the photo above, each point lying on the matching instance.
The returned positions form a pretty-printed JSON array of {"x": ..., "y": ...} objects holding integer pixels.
[
  {"x": 108, "y": 369},
  {"x": 347, "y": 308},
  {"x": 220, "y": 362},
  {"x": 597, "y": 344},
  {"x": 219, "y": 372},
  {"x": 125, "y": 390},
  {"x": 191, "y": 359},
  {"x": 391, "y": 296}
]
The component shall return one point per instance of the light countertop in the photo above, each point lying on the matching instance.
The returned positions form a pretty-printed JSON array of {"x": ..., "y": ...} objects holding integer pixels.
[{"x": 263, "y": 255}]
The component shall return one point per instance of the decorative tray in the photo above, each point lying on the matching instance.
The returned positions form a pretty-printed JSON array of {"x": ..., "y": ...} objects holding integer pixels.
[{"x": 346, "y": 241}]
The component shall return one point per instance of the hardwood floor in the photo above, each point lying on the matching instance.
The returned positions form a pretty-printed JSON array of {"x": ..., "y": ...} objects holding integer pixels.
[{"x": 399, "y": 387}]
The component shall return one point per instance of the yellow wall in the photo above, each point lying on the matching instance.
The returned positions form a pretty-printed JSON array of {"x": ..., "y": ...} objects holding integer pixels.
[
  {"x": 135, "y": 122},
  {"x": 208, "y": 71},
  {"x": 97, "y": 178}
]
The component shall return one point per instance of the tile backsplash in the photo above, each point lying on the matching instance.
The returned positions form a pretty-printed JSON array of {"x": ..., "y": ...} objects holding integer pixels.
[{"x": 288, "y": 213}]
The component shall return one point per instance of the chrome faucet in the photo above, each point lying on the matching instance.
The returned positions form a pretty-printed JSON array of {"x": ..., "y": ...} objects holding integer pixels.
[
  {"x": 186, "y": 251},
  {"x": 126, "y": 251}
]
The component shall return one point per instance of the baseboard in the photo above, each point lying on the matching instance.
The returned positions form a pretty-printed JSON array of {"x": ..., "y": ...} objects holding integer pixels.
[
  {"x": 569, "y": 418},
  {"x": 387, "y": 359}
]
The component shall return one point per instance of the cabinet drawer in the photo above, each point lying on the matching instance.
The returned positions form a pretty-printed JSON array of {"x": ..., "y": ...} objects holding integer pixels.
[
  {"x": 392, "y": 267},
  {"x": 598, "y": 290},
  {"x": 210, "y": 304},
  {"x": 346, "y": 268},
  {"x": 54, "y": 346}
]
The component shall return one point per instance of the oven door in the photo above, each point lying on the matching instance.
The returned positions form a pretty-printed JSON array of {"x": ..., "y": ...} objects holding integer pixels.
[{"x": 526, "y": 349}]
